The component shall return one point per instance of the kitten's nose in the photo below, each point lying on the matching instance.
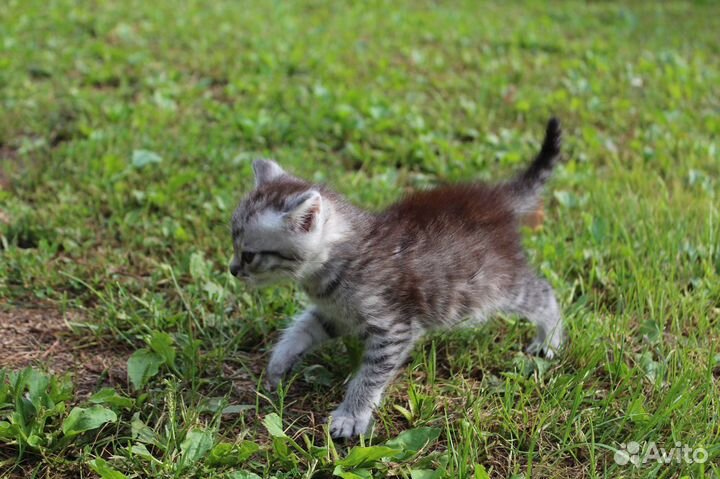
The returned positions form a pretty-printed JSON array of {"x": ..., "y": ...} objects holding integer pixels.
[{"x": 234, "y": 268}]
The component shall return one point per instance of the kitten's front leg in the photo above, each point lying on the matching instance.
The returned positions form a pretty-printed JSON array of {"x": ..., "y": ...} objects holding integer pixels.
[
  {"x": 385, "y": 354},
  {"x": 307, "y": 331}
]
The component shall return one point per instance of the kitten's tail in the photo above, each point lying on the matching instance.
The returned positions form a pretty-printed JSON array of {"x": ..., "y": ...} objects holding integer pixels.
[{"x": 527, "y": 186}]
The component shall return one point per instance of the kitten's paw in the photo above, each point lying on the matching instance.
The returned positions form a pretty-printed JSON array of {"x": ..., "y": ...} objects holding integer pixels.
[
  {"x": 535, "y": 347},
  {"x": 275, "y": 373},
  {"x": 538, "y": 347},
  {"x": 272, "y": 382},
  {"x": 347, "y": 425}
]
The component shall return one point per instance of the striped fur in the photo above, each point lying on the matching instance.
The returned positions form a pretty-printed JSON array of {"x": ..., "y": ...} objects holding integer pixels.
[{"x": 435, "y": 259}]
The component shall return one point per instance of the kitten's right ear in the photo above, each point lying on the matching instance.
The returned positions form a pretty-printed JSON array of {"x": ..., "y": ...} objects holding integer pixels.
[
  {"x": 266, "y": 170},
  {"x": 302, "y": 212}
]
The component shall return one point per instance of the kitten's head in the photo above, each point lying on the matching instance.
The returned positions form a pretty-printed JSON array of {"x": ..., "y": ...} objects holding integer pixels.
[{"x": 278, "y": 228}]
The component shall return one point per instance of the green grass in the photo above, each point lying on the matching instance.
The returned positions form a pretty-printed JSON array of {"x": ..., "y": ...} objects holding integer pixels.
[{"x": 126, "y": 136}]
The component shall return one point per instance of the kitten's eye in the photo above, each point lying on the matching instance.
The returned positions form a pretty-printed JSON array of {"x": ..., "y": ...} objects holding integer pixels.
[
  {"x": 247, "y": 257},
  {"x": 277, "y": 254}
]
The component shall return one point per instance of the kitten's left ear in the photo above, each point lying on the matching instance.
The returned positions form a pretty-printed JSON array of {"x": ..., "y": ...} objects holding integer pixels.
[
  {"x": 303, "y": 212},
  {"x": 266, "y": 170}
]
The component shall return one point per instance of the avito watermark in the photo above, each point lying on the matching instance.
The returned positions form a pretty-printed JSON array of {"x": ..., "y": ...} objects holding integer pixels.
[{"x": 637, "y": 454}]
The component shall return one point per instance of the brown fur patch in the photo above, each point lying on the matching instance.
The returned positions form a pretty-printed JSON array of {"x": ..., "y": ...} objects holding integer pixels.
[{"x": 472, "y": 204}]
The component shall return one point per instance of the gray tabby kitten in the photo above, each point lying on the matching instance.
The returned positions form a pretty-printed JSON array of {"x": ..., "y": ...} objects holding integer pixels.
[{"x": 432, "y": 260}]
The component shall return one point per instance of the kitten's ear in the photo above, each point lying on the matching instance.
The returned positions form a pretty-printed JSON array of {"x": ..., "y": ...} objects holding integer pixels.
[
  {"x": 266, "y": 170},
  {"x": 303, "y": 212}
]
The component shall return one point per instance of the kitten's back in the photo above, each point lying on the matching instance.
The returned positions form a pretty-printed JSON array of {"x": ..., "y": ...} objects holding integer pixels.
[
  {"x": 468, "y": 205},
  {"x": 455, "y": 250}
]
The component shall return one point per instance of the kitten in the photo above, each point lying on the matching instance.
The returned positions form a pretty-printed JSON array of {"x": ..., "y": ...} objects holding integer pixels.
[{"x": 432, "y": 260}]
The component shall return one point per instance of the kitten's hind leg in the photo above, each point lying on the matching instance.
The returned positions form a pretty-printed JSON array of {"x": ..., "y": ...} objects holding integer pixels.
[
  {"x": 535, "y": 300},
  {"x": 306, "y": 332}
]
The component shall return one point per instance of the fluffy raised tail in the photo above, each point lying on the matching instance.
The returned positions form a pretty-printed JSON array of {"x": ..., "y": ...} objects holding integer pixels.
[{"x": 527, "y": 186}]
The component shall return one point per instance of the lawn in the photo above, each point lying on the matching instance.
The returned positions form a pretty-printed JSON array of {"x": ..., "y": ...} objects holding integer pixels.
[{"x": 127, "y": 134}]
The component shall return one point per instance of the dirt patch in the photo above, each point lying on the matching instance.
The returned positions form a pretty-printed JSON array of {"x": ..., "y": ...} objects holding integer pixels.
[
  {"x": 7, "y": 155},
  {"x": 42, "y": 336}
]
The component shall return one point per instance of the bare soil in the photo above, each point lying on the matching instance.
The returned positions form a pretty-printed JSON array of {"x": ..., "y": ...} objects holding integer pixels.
[
  {"x": 43, "y": 336},
  {"x": 7, "y": 155}
]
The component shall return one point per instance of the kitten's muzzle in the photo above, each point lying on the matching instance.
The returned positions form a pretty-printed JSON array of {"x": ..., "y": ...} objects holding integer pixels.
[
  {"x": 236, "y": 265},
  {"x": 236, "y": 268}
]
